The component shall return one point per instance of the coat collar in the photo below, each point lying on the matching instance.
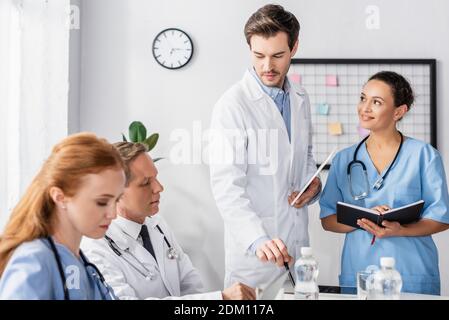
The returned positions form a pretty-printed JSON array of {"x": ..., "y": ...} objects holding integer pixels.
[
  {"x": 122, "y": 230},
  {"x": 255, "y": 92},
  {"x": 273, "y": 92},
  {"x": 125, "y": 233},
  {"x": 129, "y": 227}
]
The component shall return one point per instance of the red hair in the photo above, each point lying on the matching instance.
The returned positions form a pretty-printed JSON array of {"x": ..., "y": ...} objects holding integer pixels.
[{"x": 71, "y": 159}]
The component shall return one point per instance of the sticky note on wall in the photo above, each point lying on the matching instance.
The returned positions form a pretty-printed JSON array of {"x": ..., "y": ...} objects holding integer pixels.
[
  {"x": 335, "y": 128},
  {"x": 295, "y": 78},
  {"x": 331, "y": 81},
  {"x": 322, "y": 109}
]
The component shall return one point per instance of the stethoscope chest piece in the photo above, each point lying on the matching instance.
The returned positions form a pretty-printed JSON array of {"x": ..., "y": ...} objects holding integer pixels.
[
  {"x": 172, "y": 254},
  {"x": 364, "y": 192},
  {"x": 378, "y": 184}
]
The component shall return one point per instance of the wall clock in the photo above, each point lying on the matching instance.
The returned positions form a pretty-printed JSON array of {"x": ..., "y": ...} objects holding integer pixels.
[{"x": 172, "y": 48}]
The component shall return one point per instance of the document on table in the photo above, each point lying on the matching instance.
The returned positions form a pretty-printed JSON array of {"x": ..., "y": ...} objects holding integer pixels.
[{"x": 271, "y": 291}]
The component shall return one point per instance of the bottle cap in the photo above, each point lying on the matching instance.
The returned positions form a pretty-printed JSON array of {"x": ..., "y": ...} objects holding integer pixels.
[
  {"x": 387, "y": 262},
  {"x": 306, "y": 251}
]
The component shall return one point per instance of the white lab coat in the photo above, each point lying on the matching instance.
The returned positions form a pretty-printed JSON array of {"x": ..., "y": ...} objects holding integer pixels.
[
  {"x": 174, "y": 279},
  {"x": 252, "y": 199}
]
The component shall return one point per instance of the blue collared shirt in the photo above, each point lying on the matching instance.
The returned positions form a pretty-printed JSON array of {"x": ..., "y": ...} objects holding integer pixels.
[{"x": 280, "y": 97}]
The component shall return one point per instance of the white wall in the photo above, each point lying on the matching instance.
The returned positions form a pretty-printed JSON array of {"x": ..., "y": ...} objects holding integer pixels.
[
  {"x": 74, "y": 68},
  {"x": 5, "y": 13},
  {"x": 34, "y": 43},
  {"x": 121, "y": 82}
]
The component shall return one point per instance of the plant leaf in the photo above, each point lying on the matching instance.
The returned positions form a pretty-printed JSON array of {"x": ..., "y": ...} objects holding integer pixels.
[
  {"x": 133, "y": 131},
  {"x": 151, "y": 141},
  {"x": 137, "y": 131},
  {"x": 157, "y": 159},
  {"x": 124, "y": 138}
]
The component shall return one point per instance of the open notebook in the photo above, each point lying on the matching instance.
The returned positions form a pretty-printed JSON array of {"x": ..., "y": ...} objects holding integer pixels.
[{"x": 349, "y": 214}]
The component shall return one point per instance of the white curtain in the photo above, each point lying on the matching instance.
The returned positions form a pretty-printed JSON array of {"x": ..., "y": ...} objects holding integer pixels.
[{"x": 34, "y": 67}]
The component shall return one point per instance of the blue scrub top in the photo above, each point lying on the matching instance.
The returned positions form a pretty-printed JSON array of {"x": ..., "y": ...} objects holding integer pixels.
[
  {"x": 418, "y": 173},
  {"x": 32, "y": 273}
]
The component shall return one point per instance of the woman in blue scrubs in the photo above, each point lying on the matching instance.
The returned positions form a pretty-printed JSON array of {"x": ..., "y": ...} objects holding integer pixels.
[
  {"x": 73, "y": 195},
  {"x": 411, "y": 170}
]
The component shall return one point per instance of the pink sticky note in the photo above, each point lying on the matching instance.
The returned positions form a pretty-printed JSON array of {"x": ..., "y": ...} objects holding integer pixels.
[
  {"x": 362, "y": 132},
  {"x": 331, "y": 81},
  {"x": 295, "y": 78}
]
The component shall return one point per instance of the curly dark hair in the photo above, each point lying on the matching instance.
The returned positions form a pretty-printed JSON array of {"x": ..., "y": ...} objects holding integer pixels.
[{"x": 400, "y": 87}]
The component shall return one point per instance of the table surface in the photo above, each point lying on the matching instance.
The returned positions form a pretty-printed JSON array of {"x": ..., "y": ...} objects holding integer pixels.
[{"x": 404, "y": 296}]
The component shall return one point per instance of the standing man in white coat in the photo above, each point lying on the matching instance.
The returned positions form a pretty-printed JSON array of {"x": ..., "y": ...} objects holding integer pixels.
[
  {"x": 261, "y": 154},
  {"x": 139, "y": 256}
]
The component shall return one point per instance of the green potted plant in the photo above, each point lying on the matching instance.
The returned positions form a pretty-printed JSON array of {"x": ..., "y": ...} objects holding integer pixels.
[{"x": 138, "y": 133}]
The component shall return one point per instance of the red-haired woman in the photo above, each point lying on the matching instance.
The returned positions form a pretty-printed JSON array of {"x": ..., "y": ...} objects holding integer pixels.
[{"x": 73, "y": 195}]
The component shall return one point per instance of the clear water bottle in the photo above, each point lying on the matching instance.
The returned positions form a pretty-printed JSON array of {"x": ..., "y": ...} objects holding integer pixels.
[
  {"x": 387, "y": 282},
  {"x": 306, "y": 270}
]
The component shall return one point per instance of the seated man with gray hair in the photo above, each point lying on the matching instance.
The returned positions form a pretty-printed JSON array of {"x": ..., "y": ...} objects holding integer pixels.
[{"x": 139, "y": 255}]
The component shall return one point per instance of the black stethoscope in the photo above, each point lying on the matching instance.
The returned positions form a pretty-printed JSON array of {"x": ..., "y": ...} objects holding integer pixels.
[
  {"x": 172, "y": 254},
  {"x": 379, "y": 182},
  {"x": 96, "y": 274}
]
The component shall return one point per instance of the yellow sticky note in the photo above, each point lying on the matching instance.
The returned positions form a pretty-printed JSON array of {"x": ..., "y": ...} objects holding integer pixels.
[{"x": 335, "y": 129}]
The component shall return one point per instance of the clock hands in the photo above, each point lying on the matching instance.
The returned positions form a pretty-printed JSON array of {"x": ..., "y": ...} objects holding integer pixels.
[
  {"x": 175, "y": 49},
  {"x": 172, "y": 50}
]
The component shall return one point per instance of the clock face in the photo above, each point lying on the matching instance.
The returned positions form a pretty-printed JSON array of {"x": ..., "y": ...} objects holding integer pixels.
[{"x": 172, "y": 48}]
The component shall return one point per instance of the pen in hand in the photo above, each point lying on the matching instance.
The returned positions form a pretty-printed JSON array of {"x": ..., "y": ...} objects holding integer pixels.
[
  {"x": 373, "y": 240},
  {"x": 374, "y": 236},
  {"x": 292, "y": 281}
]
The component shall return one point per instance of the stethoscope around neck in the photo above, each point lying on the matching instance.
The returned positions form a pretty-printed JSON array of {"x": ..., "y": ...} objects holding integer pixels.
[
  {"x": 97, "y": 274},
  {"x": 172, "y": 254},
  {"x": 148, "y": 274},
  {"x": 379, "y": 182}
]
